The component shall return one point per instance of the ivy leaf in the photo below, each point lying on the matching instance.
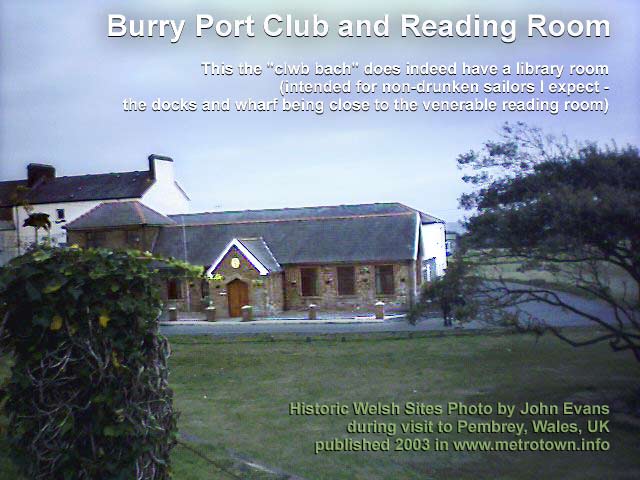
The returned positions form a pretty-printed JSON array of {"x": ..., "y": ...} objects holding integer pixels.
[
  {"x": 104, "y": 319},
  {"x": 114, "y": 359},
  {"x": 52, "y": 287},
  {"x": 56, "y": 323}
]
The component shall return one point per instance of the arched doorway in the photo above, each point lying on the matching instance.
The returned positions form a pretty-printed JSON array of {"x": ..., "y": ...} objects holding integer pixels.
[{"x": 238, "y": 296}]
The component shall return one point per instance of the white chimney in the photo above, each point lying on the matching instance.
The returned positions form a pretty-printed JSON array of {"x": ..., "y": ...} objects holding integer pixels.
[{"x": 161, "y": 168}]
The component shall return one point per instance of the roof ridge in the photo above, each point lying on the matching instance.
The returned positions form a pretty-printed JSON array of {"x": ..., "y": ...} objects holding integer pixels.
[
  {"x": 137, "y": 207},
  {"x": 300, "y": 219},
  {"x": 293, "y": 208},
  {"x": 266, "y": 245},
  {"x": 149, "y": 208},
  {"x": 82, "y": 216},
  {"x": 98, "y": 174}
]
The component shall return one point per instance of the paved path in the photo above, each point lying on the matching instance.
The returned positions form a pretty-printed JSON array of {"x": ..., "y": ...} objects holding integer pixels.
[
  {"x": 564, "y": 318},
  {"x": 552, "y": 315}
]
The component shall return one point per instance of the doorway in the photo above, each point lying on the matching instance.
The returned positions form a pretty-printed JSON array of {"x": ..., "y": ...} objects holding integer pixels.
[{"x": 238, "y": 295}]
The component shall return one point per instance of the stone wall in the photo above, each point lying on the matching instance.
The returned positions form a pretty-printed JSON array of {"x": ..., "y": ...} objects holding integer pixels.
[
  {"x": 265, "y": 291},
  {"x": 365, "y": 288},
  {"x": 117, "y": 238}
]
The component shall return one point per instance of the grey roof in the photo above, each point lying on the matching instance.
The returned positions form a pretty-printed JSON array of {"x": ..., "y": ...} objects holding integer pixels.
[
  {"x": 117, "y": 214},
  {"x": 103, "y": 186},
  {"x": 261, "y": 251},
  {"x": 372, "y": 238},
  {"x": 334, "y": 211}
]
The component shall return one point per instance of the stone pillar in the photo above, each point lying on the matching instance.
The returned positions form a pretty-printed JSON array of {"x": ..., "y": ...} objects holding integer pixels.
[
  {"x": 380, "y": 310},
  {"x": 173, "y": 314},
  {"x": 211, "y": 313},
  {"x": 313, "y": 312},
  {"x": 247, "y": 313}
]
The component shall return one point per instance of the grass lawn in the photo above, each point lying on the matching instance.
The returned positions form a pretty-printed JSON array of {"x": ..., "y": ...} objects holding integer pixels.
[
  {"x": 620, "y": 282},
  {"x": 234, "y": 395}
]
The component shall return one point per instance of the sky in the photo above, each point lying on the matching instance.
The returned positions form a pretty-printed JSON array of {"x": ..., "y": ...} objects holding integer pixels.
[{"x": 62, "y": 83}]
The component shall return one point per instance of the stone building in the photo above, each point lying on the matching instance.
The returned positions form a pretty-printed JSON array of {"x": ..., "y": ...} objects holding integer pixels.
[{"x": 337, "y": 257}]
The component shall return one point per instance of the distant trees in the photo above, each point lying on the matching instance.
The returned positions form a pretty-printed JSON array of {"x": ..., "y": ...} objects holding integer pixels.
[{"x": 571, "y": 211}]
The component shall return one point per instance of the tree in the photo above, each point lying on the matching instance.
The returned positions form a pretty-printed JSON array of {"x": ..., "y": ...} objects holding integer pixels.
[
  {"x": 454, "y": 293},
  {"x": 38, "y": 221},
  {"x": 571, "y": 212}
]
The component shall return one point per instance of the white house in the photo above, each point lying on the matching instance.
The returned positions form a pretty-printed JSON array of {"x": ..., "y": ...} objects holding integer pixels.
[{"x": 66, "y": 198}]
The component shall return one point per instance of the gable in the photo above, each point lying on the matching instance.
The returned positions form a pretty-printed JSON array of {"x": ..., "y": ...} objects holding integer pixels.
[{"x": 236, "y": 249}]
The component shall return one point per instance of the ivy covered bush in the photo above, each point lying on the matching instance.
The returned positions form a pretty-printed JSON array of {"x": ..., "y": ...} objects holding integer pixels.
[{"x": 88, "y": 396}]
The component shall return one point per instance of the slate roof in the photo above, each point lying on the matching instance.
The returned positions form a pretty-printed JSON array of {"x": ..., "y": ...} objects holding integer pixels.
[
  {"x": 103, "y": 186},
  {"x": 364, "y": 238},
  {"x": 117, "y": 214},
  {"x": 260, "y": 250},
  {"x": 334, "y": 211}
]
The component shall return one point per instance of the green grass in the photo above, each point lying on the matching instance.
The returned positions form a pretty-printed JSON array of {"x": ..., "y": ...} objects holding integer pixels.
[
  {"x": 620, "y": 283},
  {"x": 234, "y": 395}
]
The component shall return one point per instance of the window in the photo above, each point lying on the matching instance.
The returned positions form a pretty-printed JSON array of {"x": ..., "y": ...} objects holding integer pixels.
[
  {"x": 60, "y": 214},
  {"x": 174, "y": 289},
  {"x": 6, "y": 213},
  {"x": 204, "y": 288},
  {"x": 384, "y": 280},
  {"x": 346, "y": 281},
  {"x": 309, "y": 282},
  {"x": 133, "y": 238},
  {"x": 96, "y": 239}
]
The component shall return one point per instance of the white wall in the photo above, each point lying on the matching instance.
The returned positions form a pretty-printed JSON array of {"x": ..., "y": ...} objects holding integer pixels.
[
  {"x": 8, "y": 245},
  {"x": 164, "y": 195},
  {"x": 72, "y": 211},
  {"x": 433, "y": 243}
]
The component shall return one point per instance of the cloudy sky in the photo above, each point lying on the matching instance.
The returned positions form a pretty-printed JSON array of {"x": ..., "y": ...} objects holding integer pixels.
[{"x": 63, "y": 81}]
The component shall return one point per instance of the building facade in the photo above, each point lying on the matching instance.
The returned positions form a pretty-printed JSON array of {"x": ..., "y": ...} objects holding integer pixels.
[
  {"x": 64, "y": 199},
  {"x": 344, "y": 257}
]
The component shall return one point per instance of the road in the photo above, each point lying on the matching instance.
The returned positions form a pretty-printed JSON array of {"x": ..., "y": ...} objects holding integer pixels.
[{"x": 552, "y": 315}]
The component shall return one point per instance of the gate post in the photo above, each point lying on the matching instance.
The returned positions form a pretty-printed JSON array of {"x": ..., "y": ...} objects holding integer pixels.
[{"x": 247, "y": 313}]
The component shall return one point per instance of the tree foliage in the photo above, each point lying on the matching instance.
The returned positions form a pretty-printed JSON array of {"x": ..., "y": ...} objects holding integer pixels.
[
  {"x": 38, "y": 221},
  {"x": 572, "y": 211},
  {"x": 88, "y": 394},
  {"x": 454, "y": 293}
]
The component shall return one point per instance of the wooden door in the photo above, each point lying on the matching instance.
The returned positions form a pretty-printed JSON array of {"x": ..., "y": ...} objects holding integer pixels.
[{"x": 238, "y": 295}]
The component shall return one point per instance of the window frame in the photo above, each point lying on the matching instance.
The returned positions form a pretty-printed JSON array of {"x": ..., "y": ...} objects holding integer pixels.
[
  {"x": 380, "y": 290},
  {"x": 128, "y": 238},
  {"x": 316, "y": 289},
  {"x": 205, "y": 289},
  {"x": 174, "y": 284},
  {"x": 352, "y": 291}
]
